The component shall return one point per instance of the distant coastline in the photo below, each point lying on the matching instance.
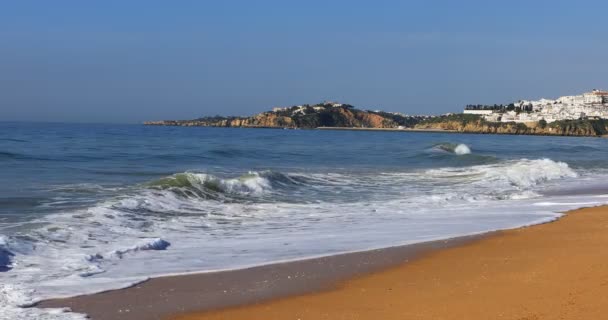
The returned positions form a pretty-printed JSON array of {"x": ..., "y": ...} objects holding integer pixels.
[
  {"x": 338, "y": 116},
  {"x": 386, "y": 129}
]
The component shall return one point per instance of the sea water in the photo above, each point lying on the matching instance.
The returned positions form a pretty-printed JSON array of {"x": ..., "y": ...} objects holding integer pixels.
[{"x": 91, "y": 207}]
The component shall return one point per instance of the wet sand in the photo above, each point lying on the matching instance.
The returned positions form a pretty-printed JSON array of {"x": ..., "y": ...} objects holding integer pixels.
[{"x": 552, "y": 271}]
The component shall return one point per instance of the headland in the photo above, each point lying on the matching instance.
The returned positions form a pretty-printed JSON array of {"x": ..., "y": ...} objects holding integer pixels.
[{"x": 581, "y": 115}]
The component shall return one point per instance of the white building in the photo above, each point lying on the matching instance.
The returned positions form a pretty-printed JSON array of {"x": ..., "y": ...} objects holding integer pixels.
[
  {"x": 494, "y": 117},
  {"x": 480, "y": 112},
  {"x": 590, "y": 104},
  {"x": 592, "y": 98}
]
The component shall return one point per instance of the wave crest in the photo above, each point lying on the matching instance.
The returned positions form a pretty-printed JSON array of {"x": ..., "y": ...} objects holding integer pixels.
[
  {"x": 528, "y": 173},
  {"x": 252, "y": 184},
  {"x": 208, "y": 185},
  {"x": 458, "y": 149},
  {"x": 521, "y": 174}
]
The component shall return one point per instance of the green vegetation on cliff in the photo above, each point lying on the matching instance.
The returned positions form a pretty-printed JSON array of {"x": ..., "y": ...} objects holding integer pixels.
[{"x": 595, "y": 127}]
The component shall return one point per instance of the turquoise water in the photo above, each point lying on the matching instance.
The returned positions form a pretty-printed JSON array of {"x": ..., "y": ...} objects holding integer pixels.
[{"x": 88, "y": 207}]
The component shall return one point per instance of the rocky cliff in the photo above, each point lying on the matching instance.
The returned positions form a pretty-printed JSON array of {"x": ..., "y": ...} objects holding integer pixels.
[
  {"x": 475, "y": 124},
  {"x": 306, "y": 116},
  {"x": 347, "y": 116}
]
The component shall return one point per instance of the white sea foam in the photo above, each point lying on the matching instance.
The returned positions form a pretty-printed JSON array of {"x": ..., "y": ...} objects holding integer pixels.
[
  {"x": 160, "y": 230},
  {"x": 251, "y": 184},
  {"x": 522, "y": 173},
  {"x": 154, "y": 244},
  {"x": 10, "y": 298},
  {"x": 462, "y": 149},
  {"x": 527, "y": 173}
]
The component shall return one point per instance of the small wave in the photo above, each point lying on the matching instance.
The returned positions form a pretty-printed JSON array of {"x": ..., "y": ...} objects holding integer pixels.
[
  {"x": 227, "y": 153},
  {"x": 6, "y": 256},
  {"x": 209, "y": 186},
  {"x": 571, "y": 148},
  {"x": 458, "y": 149},
  {"x": 9, "y": 155},
  {"x": 155, "y": 244},
  {"x": 82, "y": 188},
  {"x": 13, "y": 140},
  {"x": 19, "y": 156}
]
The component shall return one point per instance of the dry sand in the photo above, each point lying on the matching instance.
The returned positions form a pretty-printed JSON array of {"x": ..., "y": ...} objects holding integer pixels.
[{"x": 552, "y": 271}]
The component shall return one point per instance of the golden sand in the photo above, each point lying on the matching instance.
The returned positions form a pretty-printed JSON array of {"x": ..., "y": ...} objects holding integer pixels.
[{"x": 552, "y": 271}]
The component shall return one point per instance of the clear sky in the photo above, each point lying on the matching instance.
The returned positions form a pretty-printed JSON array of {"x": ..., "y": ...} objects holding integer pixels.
[{"x": 129, "y": 61}]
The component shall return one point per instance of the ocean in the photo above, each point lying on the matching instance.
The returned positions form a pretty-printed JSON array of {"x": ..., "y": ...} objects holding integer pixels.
[{"x": 91, "y": 207}]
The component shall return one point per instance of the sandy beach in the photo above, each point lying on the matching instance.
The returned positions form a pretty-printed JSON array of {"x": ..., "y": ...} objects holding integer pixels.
[
  {"x": 556, "y": 270},
  {"x": 165, "y": 297},
  {"x": 552, "y": 271}
]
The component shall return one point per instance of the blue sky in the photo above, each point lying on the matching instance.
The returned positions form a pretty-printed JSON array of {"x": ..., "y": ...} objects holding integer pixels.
[{"x": 129, "y": 61}]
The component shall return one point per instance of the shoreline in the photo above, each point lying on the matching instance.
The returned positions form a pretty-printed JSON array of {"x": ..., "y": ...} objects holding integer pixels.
[
  {"x": 273, "y": 291},
  {"x": 388, "y": 130},
  {"x": 556, "y": 270},
  {"x": 165, "y": 297}
]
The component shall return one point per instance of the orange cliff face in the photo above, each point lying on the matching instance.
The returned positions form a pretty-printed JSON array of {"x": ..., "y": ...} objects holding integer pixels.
[
  {"x": 361, "y": 119},
  {"x": 312, "y": 117},
  {"x": 260, "y": 120},
  {"x": 269, "y": 119},
  {"x": 376, "y": 121},
  {"x": 303, "y": 116},
  {"x": 480, "y": 126}
]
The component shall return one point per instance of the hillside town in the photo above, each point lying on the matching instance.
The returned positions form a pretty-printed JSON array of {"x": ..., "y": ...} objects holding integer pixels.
[
  {"x": 577, "y": 115},
  {"x": 589, "y": 105}
]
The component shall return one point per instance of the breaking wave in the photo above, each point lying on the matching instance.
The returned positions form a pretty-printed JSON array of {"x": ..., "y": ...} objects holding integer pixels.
[
  {"x": 167, "y": 223},
  {"x": 502, "y": 180},
  {"x": 458, "y": 149},
  {"x": 521, "y": 174},
  {"x": 252, "y": 184},
  {"x": 528, "y": 173}
]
